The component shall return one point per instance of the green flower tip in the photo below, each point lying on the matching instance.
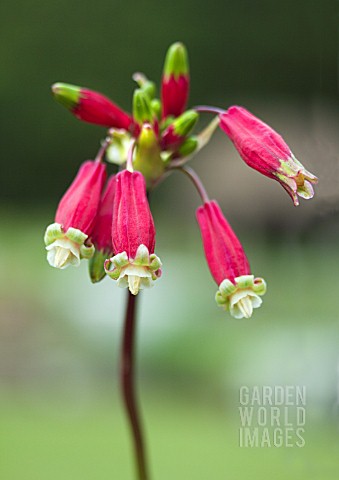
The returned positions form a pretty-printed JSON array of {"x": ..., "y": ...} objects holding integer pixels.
[
  {"x": 176, "y": 61},
  {"x": 184, "y": 124},
  {"x": 242, "y": 296},
  {"x": 142, "y": 108},
  {"x": 66, "y": 94},
  {"x": 147, "y": 138}
]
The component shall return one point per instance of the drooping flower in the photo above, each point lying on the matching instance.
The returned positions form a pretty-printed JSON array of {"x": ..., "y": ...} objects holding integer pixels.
[
  {"x": 175, "y": 81},
  {"x": 239, "y": 292},
  {"x": 102, "y": 233},
  {"x": 133, "y": 235},
  {"x": 67, "y": 240},
  {"x": 92, "y": 107},
  {"x": 265, "y": 150}
]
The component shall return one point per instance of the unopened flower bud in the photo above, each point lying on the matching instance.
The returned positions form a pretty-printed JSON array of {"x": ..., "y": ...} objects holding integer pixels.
[
  {"x": 91, "y": 106},
  {"x": 239, "y": 292},
  {"x": 175, "y": 81},
  {"x": 175, "y": 133},
  {"x": 147, "y": 157},
  {"x": 265, "y": 150},
  {"x": 142, "y": 108}
]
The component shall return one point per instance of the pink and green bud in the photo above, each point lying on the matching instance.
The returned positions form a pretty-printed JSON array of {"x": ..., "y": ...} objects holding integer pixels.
[
  {"x": 239, "y": 292},
  {"x": 92, "y": 107},
  {"x": 67, "y": 240},
  {"x": 102, "y": 233},
  {"x": 149, "y": 89},
  {"x": 265, "y": 150},
  {"x": 134, "y": 264},
  {"x": 147, "y": 155},
  {"x": 176, "y": 132},
  {"x": 175, "y": 81}
]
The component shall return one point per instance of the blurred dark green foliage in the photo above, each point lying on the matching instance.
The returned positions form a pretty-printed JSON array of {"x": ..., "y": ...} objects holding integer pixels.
[{"x": 237, "y": 48}]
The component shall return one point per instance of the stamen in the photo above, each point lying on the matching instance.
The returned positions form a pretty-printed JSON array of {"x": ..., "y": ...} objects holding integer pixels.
[
  {"x": 62, "y": 256},
  {"x": 134, "y": 284},
  {"x": 245, "y": 306}
]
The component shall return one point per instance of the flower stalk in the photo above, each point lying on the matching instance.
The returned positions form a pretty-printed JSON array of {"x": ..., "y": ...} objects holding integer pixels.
[
  {"x": 209, "y": 109},
  {"x": 195, "y": 179},
  {"x": 127, "y": 379}
]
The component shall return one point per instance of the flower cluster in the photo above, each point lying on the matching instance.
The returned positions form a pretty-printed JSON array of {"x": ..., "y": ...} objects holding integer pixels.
[{"x": 110, "y": 222}]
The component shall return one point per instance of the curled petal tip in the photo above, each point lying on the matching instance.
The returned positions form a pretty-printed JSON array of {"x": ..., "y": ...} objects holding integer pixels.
[{"x": 241, "y": 296}]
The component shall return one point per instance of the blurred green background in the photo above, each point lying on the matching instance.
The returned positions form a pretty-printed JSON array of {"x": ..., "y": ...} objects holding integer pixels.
[{"x": 60, "y": 409}]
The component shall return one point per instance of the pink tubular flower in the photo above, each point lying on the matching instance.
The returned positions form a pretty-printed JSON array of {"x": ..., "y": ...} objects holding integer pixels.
[
  {"x": 175, "y": 81},
  {"x": 102, "y": 233},
  {"x": 92, "y": 107},
  {"x": 67, "y": 239},
  {"x": 238, "y": 290},
  {"x": 265, "y": 150},
  {"x": 133, "y": 235}
]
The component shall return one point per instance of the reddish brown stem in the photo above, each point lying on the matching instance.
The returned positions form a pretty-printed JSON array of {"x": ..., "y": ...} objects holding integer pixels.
[
  {"x": 193, "y": 176},
  {"x": 127, "y": 378}
]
